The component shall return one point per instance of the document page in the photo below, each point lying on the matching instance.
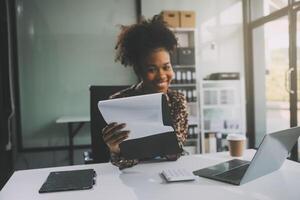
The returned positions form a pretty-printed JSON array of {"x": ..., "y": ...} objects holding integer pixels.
[{"x": 142, "y": 114}]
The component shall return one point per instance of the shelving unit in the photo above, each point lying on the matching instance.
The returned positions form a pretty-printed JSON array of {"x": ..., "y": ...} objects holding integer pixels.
[
  {"x": 222, "y": 111},
  {"x": 185, "y": 70}
]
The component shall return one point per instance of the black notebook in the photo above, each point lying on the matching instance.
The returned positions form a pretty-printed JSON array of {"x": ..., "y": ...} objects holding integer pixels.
[{"x": 69, "y": 180}]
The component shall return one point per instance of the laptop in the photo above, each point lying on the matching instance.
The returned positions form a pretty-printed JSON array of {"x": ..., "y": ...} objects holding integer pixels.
[{"x": 272, "y": 152}]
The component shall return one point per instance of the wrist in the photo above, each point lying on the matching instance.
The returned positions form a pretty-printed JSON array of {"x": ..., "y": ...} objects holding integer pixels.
[{"x": 115, "y": 150}]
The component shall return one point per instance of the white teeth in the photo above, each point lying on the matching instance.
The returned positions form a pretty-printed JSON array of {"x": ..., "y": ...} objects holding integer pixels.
[{"x": 162, "y": 84}]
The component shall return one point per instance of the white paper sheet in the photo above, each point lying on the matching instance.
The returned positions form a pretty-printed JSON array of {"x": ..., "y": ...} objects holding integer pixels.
[{"x": 142, "y": 114}]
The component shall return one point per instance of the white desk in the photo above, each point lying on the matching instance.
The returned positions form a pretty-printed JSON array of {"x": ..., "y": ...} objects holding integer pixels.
[
  {"x": 72, "y": 121},
  {"x": 143, "y": 182}
]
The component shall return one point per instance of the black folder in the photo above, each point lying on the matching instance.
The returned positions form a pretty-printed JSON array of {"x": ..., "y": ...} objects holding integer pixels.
[
  {"x": 69, "y": 180},
  {"x": 151, "y": 146},
  {"x": 155, "y": 145}
]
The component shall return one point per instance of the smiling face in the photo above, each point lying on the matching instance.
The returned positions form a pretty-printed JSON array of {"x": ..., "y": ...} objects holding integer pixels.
[{"x": 157, "y": 71}]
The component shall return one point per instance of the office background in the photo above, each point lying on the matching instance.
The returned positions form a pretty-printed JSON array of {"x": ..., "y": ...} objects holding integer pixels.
[
  {"x": 62, "y": 53},
  {"x": 64, "y": 46}
]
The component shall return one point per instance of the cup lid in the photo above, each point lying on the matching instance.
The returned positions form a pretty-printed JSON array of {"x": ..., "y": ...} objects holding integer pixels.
[{"x": 236, "y": 137}]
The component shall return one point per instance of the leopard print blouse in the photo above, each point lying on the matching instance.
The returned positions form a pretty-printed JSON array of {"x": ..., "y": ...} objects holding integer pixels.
[{"x": 179, "y": 117}]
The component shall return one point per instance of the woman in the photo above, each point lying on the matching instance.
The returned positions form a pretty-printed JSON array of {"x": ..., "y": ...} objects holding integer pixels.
[{"x": 147, "y": 47}]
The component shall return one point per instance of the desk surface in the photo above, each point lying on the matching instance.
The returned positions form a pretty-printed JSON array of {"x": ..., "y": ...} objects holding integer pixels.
[{"x": 143, "y": 182}]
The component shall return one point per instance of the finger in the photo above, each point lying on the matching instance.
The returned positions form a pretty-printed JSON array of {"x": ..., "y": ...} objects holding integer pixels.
[
  {"x": 111, "y": 126},
  {"x": 112, "y": 132},
  {"x": 104, "y": 130},
  {"x": 114, "y": 136},
  {"x": 110, "y": 139},
  {"x": 107, "y": 130},
  {"x": 113, "y": 129},
  {"x": 120, "y": 139}
]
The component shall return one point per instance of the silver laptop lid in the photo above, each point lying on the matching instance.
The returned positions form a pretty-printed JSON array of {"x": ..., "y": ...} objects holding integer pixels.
[{"x": 271, "y": 154}]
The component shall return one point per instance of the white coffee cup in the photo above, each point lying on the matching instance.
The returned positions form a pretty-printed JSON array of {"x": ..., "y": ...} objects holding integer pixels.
[{"x": 236, "y": 143}]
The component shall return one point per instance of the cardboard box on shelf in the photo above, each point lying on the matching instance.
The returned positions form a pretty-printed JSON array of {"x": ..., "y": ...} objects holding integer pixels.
[
  {"x": 171, "y": 17},
  {"x": 187, "y": 19}
]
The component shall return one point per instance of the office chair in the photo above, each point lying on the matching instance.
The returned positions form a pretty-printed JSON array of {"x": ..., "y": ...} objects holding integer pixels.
[{"x": 100, "y": 151}]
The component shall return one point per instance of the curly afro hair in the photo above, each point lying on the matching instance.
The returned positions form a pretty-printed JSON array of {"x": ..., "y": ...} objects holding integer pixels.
[{"x": 135, "y": 42}]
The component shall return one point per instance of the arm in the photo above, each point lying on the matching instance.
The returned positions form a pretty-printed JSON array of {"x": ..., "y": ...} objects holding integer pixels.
[{"x": 180, "y": 122}]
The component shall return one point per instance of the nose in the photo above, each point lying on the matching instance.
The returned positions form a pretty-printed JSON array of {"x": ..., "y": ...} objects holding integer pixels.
[{"x": 161, "y": 74}]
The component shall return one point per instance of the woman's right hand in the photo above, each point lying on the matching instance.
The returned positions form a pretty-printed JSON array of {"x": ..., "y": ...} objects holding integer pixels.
[{"x": 113, "y": 136}]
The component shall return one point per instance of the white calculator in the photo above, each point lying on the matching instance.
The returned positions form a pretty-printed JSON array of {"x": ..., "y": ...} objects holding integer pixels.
[{"x": 173, "y": 175}]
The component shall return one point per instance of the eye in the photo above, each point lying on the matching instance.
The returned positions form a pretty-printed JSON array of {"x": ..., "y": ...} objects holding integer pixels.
[
  {"x": 151, "y": 70},
  {"x": 167, "y": 67}
]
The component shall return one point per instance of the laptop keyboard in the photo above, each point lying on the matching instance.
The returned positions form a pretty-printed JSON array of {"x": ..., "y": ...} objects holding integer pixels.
[
  {"x": 230, "y": 171},
  {"x": 233, "y": 175},
  {"x": 221, "y": 168}
]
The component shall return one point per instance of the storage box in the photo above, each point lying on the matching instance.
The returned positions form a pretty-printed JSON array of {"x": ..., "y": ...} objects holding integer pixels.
[
  {"x": 171, "y": 17},
  {"x": 186, "y": 56},
  {"x": 187, "y": 19}
]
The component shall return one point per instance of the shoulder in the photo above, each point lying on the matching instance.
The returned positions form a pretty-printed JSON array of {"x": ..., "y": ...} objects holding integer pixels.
[
  {"x": 176, "y": 96},
  {"x": 127, "y": 92}
]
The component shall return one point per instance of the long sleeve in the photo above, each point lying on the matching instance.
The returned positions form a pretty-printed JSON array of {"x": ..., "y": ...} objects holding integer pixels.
[
  {"x": 121, "y": 162},
  {"x": 179, "y": 115}
]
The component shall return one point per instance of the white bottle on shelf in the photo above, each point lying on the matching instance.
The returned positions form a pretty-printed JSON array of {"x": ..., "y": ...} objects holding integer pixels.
[
  {"x": 183, "y": 77},
  {"x": 189, "y": 76},
  {"x": 178, "y": 76}
]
